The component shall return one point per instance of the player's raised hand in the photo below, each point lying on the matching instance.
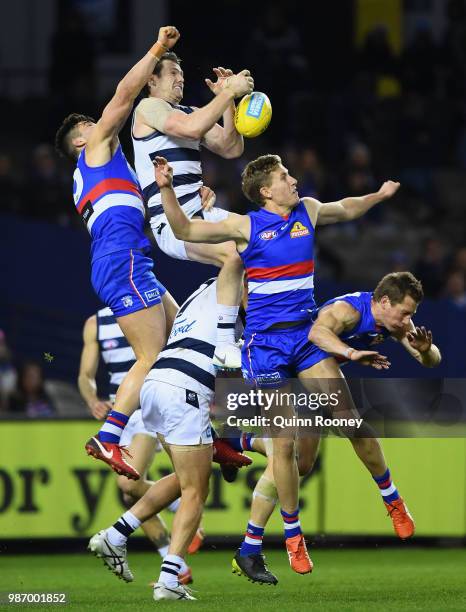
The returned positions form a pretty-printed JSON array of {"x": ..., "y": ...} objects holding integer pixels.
[
  {"x": 370, "y": 358},
  {"x": 388, "y": 189},
  {"x": 208, "y": 198},
  {"x": 168, "y": 36},
  {"x": 163, "y": 172},
  {"x": 240, "y": 84},
  {"x": 222, "y": 75},
  {"x": 420, "y": 339}
]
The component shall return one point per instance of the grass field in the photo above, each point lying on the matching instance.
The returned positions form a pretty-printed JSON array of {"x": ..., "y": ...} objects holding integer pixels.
[{"x": 344, "y": 579}]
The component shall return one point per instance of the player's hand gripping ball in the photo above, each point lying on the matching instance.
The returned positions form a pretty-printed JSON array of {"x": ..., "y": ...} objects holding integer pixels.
[{"x": 253, "y": 114}]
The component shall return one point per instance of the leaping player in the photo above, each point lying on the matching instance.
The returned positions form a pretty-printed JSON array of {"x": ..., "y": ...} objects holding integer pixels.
[
  {"x": 164, "y": 127},
  {"x": 348, "y": 328},
  {"x": 276, "y": 246},
  {"x": 108, "y": 197}
]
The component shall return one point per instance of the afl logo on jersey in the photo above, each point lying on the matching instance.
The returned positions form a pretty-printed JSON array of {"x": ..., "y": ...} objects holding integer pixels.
[
  {"x": 268, "y": 235},
  {"x": 109, "y": 344},
  {"x": 299, "y": 230}
]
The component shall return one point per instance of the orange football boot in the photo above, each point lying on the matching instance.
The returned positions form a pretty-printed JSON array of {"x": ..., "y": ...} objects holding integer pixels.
[
  {"x": 297, "y": 554},
  {"x": 402, "y": 520}
]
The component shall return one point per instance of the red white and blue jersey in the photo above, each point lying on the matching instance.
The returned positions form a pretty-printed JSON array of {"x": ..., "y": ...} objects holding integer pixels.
[
  {"x": 110, "y": 202},
  {"x": 366, "y": 333},
  {"x": 279, "y": 262}
]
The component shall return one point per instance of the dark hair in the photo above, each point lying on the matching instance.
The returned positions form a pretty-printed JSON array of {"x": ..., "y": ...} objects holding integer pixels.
[
  {"x": 397, "y": 285},
  {"x": 66, "y": 133},
  {"x": 169, "y": 55},
  {"x": 257, "y": 175}
]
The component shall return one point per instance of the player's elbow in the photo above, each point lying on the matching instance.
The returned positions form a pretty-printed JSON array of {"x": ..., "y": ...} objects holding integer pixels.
[{"x": 234, "y": 151}]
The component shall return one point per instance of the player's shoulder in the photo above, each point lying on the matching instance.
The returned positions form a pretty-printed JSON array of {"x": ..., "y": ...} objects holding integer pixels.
[
  {"x": 312, "y": 206},
  {"x": 153, "y": 105}
]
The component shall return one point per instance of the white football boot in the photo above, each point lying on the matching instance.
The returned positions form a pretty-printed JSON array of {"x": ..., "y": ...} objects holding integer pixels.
[
  {"x": 161, "y": 591},
  {"x": 113, "y": 556}
]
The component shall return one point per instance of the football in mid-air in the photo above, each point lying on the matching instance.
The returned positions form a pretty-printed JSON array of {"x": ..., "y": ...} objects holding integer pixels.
[{"x": 253, "y": 114}]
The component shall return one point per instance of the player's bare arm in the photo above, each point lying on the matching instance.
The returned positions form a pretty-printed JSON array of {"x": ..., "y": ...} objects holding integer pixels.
[
  {"x": 348, "y": 209},
  {"x": 88, "y": 369},
  {"x": 418, "y": 342},
  {"x": 334, "y": 320},
  {"x": 234, "y": 227},
  {"x": 224, "y": 140},
  {"x": 104, "y": 138},
  {"x": 156, "y": 114}
]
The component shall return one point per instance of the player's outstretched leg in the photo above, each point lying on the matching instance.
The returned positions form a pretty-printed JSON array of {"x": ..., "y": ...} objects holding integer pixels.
[
  {"x": 145, "y": 331},
  {"x": 229, "y": 288},
  {"x": 371, "y": 454}
]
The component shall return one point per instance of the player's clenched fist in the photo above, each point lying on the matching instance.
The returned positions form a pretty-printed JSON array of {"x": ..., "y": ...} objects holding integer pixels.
[
  {"x": 163, "y": 172},
  {"x": 388, "y": 189},
  {"x": 168, "y": 36}
]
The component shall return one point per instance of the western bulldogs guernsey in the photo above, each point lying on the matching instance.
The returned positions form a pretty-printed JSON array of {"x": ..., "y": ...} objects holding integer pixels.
[
  {"x": 110, "y": 202},
  {"x": 186, "y": 360},
  {"x": 366, "y": 333},
  {"x": 184, "y": 157},
  {"x": 279, "y": 262},
  {"x": 116, "y": 352}
]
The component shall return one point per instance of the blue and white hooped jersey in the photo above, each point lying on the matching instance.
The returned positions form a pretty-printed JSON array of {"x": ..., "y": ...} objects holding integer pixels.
[
  {"x": 110, "y": 202},
  {"x": 279, "y": 262},
  {"x": 115, "y": 350},
  {"x": 184, "y": 157},
  {"x": 366, "y": 333},
  {"x": 186, "y": 359}
]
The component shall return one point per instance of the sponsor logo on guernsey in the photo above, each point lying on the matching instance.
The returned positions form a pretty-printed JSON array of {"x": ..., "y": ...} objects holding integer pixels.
[
  {"x": 268, "y": 235},
  {"x": 299, "y": 230},
  {"x": 268, "y": 378},
  {"x": 182, "y": 327},
  {"x": 110, "y": 344},
  {"x": 152, "y": 295},
  {"x": 127, "y": 301}
]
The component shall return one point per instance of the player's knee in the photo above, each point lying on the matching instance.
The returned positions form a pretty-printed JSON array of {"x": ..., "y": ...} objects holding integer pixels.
[
  {"x": 194, "y": 496},
  {"x": 284, "y": 448},
  {"x": 305, "y": 465}
]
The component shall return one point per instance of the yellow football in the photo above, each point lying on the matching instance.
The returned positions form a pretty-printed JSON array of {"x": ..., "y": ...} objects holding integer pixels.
[{"x": 253, "y": 114}]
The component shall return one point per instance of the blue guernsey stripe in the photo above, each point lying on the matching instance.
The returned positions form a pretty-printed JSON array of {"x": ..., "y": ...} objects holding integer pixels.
[
  {"x": 158, "y": 210},
  {"x": 178, "y": 154},
  {"x": 188, "y": 302},
  {"x": 121, "y": 366},
  {"x": 106, "y": 320},
  {"x": 193, "y": 345},
  {"x": 179, "y": 179},
  {"x": 188, "y": 368}
]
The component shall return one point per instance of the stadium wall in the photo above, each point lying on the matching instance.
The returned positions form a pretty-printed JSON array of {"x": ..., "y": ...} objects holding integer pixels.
[{"x": 50, "y": 489}]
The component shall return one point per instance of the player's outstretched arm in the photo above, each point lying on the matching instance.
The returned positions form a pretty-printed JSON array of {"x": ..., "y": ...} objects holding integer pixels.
[
  {"x": 159, "y": 115},
  {"x": 349, "y": 209},
  {"x": 88, "y": 369},
  {"x": 234, "y": 227},
  {"x": 118, "y": 109},
  {"x": 332, "y": 321},
  {"x": 418, "y": 342}
]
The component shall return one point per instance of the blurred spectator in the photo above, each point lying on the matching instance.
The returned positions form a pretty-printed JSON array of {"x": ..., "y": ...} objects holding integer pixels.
[
  {"x": 8, "y": 375},
  {"x": 455, "y": 289},
  {"x": 459, "y": 260},
  {"x": 30, "y": 397},
  {"x": 310, "y": 174},
  {"x": 377, "y": 57},
  {"x": 420, "y": 62},
  {"x": 46, "y": 194},
  {"x": 430, "y": 268}
]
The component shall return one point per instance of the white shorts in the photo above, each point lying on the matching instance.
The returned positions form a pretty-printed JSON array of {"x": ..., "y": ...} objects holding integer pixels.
[
  {"x": 135, "y": 426},
  {"x": 180, "y": 415},
  {"x": 165, "y": 238}
]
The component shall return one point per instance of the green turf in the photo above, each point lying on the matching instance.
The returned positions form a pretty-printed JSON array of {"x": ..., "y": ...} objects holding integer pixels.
[{"x": 359, "y": 580}]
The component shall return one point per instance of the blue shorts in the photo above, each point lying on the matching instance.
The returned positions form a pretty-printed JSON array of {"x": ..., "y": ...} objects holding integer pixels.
[
  {"x": 271, "y": 358},
  {"x": 125, "y": 282}
]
